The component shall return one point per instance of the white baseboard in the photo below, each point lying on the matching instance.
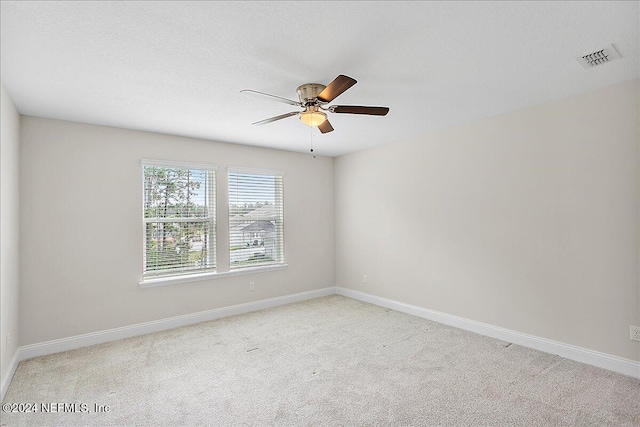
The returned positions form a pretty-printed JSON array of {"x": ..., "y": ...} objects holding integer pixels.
[
  {"x": 601, "y": 360},
  {"x": 579, "y": 354},
  {"x": 84, "y": 340},
  {"x": 13, "y": 365}
]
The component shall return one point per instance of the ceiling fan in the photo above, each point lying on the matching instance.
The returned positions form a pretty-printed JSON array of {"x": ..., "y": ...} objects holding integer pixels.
[{"x": 313, "y": 97}]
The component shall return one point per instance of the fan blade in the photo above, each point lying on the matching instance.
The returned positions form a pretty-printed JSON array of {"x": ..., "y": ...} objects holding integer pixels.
[
  {"x": 356, "y": 109},
  {"x": 276, "y": 98},
  {"x": 335, "y": 88},
  {"x": 325, "y": 127},
  {"x": 273, "y": 119}
]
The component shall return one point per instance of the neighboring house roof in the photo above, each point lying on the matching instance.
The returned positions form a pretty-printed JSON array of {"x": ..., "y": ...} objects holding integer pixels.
[
  {"x": 259, "y": 226},
  {"x": 266, "y": 211},
  {"x": 238, "y": 228}
]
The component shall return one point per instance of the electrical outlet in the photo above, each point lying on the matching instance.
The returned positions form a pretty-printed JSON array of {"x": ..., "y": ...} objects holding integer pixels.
[
  {"x": 252, "y": 286},
  {"x": 365, "y": 279},
  {"x": 635, "y": 333}
]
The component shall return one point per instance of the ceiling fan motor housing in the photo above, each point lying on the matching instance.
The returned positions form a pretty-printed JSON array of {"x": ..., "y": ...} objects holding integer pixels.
[{"x": 308, "y": 93}]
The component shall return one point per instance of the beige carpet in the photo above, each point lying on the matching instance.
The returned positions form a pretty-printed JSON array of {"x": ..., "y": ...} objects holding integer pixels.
[{"x": 327, "y": 361}]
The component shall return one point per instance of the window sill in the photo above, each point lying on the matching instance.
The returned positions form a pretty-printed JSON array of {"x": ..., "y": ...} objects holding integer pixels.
[{"x": 152, "y": 283}]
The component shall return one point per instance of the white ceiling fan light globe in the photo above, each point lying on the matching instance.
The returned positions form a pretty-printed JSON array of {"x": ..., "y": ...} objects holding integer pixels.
[{"x": 313, "y": 118}]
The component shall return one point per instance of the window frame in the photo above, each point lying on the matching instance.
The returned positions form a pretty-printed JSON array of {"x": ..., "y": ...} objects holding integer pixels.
[{"x": 184, "y": 275}]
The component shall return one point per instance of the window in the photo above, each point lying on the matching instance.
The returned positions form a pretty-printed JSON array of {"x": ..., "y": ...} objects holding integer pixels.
[
  {"x": 256, "y": 218},
  {"x": 179, "y": 207}
]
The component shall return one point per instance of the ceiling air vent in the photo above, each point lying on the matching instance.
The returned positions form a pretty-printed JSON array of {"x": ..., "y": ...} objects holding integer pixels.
[{"x": 598, "y": 57}]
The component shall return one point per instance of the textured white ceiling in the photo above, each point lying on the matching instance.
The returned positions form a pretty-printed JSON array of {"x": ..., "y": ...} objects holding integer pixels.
[{"x": 178, "y": 67}]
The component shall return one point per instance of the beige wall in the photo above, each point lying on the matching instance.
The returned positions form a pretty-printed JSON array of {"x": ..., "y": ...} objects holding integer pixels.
[
  {"x": 9, "y": 230},
  {"x": 81, "y": 240},
  {"x": 528, "y": 221}
]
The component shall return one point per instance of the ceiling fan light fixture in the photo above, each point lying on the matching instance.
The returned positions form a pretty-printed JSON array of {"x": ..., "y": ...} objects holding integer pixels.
[
  {"x": 313, "y": 118},
  {"x": 313, "y": 97}
]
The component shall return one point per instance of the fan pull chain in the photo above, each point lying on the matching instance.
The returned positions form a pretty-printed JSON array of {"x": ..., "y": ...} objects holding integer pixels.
[{"x": 311, "y": 135}]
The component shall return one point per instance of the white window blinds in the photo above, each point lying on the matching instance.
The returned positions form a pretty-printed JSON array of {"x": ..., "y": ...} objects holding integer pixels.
[
  {"x": 256, "y": 218},
  {"x": 179, "y": 206}
]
